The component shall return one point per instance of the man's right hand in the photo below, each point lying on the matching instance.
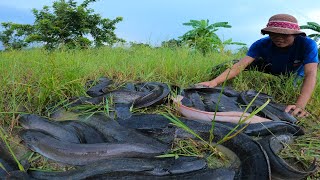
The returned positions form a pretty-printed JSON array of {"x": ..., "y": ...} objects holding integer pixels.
[{"x": 207, "y": 84}]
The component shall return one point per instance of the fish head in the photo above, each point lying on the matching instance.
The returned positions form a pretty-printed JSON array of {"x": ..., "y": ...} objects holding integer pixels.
[
  {"x": 25, "y": 120},
  {"x": 30, "y": 137}
]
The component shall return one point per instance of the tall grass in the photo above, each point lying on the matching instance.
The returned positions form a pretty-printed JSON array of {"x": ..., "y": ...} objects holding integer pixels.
[{"x": 33, "y": 80}]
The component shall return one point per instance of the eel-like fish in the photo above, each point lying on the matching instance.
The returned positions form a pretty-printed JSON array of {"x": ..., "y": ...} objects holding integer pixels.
[
  {"x": 6, "y": 160},
  {"x": 118, "y": 96},
  {"x": 208, "y": 116},
  {"x": 32, "y": 121},
  {"x": 264, "y": 112},
  {"x": 121, "y": 99},
  {"x": 280, "y": 169},
  {"x": 149, "y": 123},
  {"x": 98, "y": 89},
  {"x": 121, "y": 167},
  {"x": 16, "y": 175},
  {"x": 81, "y": 154},
  {"x": 254, "y": 160},
  {"x": 225, "y": 103},
  {"x": 114, "y": 132},
  {"x": 255, "y": 164},
  {"x": 87, "y": 134},
  {"x": 193, "y": 99},
  {"x": 268, "y": 128},
  {"x": 205, "y": 174},
  {"x": 228, "y": 91},
  {"x": 156, "y": 93},
  {"x": 272, "y": 111},
  {"x": 210, "y": 98}
]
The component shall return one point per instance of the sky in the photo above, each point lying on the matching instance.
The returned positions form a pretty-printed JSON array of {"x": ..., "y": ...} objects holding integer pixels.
[{"x": 154, "y": 21}]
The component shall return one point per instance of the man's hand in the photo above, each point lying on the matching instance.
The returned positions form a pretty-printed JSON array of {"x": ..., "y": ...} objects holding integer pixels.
[
  {"x": 207, "y": 84},
  {"x": 296, "y": 111}
]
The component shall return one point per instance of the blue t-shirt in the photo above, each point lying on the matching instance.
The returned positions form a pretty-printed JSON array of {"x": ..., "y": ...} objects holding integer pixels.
[{"x": 303, "y": 51}]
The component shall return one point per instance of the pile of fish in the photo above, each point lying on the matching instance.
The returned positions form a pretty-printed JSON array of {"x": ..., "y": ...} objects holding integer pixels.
[
  {"x": 101, "y": 147},
  {"x": 127, "y": 146},
  {"x": 136, "y": 95},
  {"x": 204, "y": 100}
]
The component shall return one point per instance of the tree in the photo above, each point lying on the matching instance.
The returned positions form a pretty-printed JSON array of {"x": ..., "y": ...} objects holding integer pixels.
[
  {"x": 71, "y": 25},
  {"x": 14, "y": 35},
  {"x": 172, "y": 43},
  {"x": 203, "y": 37}
]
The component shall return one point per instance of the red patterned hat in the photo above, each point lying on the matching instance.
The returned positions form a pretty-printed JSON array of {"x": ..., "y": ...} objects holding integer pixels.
[{"x": 282, "y": 24}]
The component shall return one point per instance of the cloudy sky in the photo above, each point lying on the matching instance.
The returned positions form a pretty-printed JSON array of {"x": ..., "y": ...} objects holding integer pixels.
[{"x": 153, "y": 21}]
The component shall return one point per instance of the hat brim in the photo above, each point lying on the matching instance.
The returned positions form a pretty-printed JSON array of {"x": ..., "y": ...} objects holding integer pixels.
[{"x": 268, "y": 30}]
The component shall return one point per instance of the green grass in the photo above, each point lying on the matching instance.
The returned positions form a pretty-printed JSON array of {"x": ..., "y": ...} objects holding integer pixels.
[{"x": 35, "y": 80}]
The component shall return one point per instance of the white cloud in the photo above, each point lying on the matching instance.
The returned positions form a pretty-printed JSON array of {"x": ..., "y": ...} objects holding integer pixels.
[{"x": 314, "y": 16}]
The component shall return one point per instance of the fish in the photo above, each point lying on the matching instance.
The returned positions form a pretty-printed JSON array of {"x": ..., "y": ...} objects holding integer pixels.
[
  {"x": 272, "y": 111},
  {"x": 16, "y": 175},
  {"x": 254, "y": 160},
  {"x": 32, "y": 121},
  {"x": 117, "y": 96},
  {"x": 99, "y": 88},
  {"x": 227, "y": 90},
  {"x": 208, "y": 99},
  {"x": 255, "y": 164},
  {"x": 148, "y": 123},
  {"x": 268, "y": 128},
  {"x": 114, "y": 132},
  {"x": 151, "y": 125},
  {"x": 138, "y": 95},
  {"x": 194, "y": 100},
  {"x": 81, "y": 154},
  {"x": 145, "y": 122},
  {"x": 87, "y": 134},
  {"x": 156, "y": 93},
  {"x": 281, "y": 169},
  {"x": 282, "y": 114},
  {"x": 204, "y": 174},
  {"x": 120, "y": 100},
  {"x": 136, "y": 167},
  {"x": 6, "y": 160},
  {"x": 223, "y": 103},
  {"x": 233, "y": 117}
]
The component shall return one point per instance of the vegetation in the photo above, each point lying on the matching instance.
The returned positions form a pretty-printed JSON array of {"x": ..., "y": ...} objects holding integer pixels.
[
  {"x": 315, "y": 27},
  {"x": 315, "y": 36},
  {"x": 203, "y": 37},
  {"x": 65, "y": 24},
  {"x": 33, "y": 80}
]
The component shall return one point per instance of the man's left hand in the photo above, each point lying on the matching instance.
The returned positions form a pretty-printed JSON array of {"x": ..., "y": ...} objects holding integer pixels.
[{"x": 296, "y": 111}]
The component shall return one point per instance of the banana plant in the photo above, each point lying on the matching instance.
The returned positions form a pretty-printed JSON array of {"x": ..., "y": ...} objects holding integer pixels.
[
  {"x": 315, "y": 27},
  {"x": 315, "y": 36},
  {"x": 203, "y": 37}
]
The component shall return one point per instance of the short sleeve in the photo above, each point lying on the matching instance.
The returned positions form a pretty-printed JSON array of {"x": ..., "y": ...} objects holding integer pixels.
[
  {"x": 311, "y": 52},
  {"x": 254, "y": 50}
]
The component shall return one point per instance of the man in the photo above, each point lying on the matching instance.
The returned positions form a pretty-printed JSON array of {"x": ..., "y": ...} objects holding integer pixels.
[{"x": 286, "y": 50}]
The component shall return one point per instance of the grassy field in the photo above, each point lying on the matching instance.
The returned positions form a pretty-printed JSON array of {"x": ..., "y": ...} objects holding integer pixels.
[{"x": 33, "y": 80}]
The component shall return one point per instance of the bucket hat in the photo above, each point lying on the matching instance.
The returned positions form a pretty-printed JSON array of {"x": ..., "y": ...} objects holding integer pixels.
[{"x": 282, "y": 24}]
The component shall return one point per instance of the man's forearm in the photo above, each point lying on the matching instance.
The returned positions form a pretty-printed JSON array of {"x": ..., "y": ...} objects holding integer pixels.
[
  {"x": 228, "y": 74},
  {"x": 306, "y": 90}
]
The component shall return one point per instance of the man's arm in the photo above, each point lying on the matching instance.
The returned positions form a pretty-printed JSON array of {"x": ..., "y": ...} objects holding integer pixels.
[
  {"x": 230, "y": 73},
  {"x": 309, "y": 82}
]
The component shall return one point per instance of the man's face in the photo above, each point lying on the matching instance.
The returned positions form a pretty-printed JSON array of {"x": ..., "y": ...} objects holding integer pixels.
[{"x": 282, "y": 40}]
